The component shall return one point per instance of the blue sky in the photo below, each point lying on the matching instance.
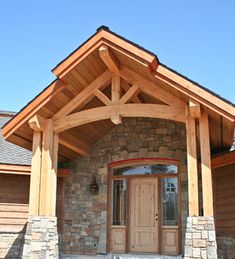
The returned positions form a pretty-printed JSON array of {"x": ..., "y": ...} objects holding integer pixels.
[{"x": 196, "y": 38}]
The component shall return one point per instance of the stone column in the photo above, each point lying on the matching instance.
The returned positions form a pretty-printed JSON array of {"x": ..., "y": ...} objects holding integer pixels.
[
  {"x": 41, "y": 238},
  {"x": 200, "y": 238}
]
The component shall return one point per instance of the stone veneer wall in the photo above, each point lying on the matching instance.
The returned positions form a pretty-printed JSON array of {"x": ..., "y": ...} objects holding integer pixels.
[
  {"x": 41, "y": 238},
  {"x": 200, "y": 238},
  {"x": 85, "y": 218},
  {"x": 11, "y": 244},
  {"x": 226, "y": 246}
]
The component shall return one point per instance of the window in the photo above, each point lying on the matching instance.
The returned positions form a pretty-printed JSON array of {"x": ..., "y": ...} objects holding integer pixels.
[
  {"x": 119, "y": 202},
  {"x": 170, "y": 201},
  {"x": 145, "y": 169}
]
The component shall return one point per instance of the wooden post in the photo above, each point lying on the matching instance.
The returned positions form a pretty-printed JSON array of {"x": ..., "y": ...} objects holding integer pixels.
[
  {"x": 115, "y": 89},
  {"x": 44, "y": 168},
  {"x": 35, "y": 174},
  {"x": 47, "y": 154},
  {"x": 54, "y": 174},
  {"x": 207, "y": 192},
  {"x": 116, "y": 80},
  {"x": 192, "y": 164}
]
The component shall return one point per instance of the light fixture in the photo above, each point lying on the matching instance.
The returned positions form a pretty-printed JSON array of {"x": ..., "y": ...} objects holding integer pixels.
[{"x": 94, "y": 187}]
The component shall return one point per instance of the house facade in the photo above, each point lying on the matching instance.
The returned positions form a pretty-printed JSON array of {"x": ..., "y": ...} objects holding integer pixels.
[{"x": 128, "y": 157}]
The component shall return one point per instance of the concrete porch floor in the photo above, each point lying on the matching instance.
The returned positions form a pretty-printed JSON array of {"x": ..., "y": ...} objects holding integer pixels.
[{"x": 120, "y": 256}]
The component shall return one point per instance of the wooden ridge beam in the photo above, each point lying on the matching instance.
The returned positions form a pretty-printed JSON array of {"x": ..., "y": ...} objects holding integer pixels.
[
  {"x": 150, "y": 88},
  {"x": 104, "y": 37},
  {"x": 124, "y": 110},
  {"x": 109, "y": 59},
  {"x": 85, "y": 95}
]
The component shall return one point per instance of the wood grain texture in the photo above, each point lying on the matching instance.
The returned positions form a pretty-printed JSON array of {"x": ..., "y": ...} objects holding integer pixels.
[
  {"x": 195, "y": 109},
  {"x": 83, "y": 97},
  {"x": 224, "y": 199},
  {"x": 109, "y": 59},
  {"x": 150, "y": 88},
  {"x": 46, "y": 167},
  {"x": 207, "y": 191},
  {"x": 35, "y": 175},
  {"x": 192, "y": 164},
  {"x": 223, "y": 160},
  {"x": 126, "y": 110},
  {"x": 143, "y": 207},
  {"x": 14, "y": 202}
]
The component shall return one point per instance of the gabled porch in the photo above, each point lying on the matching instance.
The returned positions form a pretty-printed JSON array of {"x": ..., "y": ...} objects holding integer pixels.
[{"x": 114, "y": 101}]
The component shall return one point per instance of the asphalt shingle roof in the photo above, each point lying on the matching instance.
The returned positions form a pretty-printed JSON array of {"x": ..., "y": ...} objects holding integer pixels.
[{"x": 10, "y": 153}]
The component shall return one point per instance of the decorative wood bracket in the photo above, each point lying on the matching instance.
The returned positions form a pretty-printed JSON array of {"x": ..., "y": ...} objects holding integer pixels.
[
  {"x": 37, "y": 123},
  {"x": 195, "y": 109}
]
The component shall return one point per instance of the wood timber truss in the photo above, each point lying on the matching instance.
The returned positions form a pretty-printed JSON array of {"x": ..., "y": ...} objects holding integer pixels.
[{"x": 124, "y": 100}]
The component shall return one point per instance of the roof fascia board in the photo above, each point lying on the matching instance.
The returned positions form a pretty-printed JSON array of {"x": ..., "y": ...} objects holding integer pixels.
[
  {"x": 32, "y": 108},
  {"x": 223, "y": 160},
  {"x": 96, "y": 41},
  {"x": 195, "y": 92}
]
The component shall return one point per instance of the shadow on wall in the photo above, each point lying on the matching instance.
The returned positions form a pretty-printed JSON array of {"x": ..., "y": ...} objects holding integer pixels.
[{"x": 16, "y": 243}]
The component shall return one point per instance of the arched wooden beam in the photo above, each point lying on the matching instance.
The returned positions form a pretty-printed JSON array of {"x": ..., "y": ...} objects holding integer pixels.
[{"x": 123, "y": 110}]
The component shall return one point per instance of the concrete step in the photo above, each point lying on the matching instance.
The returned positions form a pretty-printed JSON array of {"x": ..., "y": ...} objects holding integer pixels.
[{"x": 119, "y": 256}]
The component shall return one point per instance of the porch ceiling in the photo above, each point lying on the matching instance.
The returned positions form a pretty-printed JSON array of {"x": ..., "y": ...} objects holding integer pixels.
[{"x": 88, "y": 66}]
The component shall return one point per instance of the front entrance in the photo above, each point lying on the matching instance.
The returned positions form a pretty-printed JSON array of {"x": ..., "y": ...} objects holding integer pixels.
[
  {"x": 144, "y": 207},
  {"x": 144, "y": 215}
]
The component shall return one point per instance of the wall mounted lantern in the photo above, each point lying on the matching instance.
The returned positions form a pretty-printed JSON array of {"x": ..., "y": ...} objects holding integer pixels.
[{"x": 94, "y": 187}]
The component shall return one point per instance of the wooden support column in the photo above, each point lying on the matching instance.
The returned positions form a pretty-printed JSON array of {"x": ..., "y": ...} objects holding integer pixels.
[
  {"x": 207, "y": 191},
  {"x": 35, "y": 174},
  {"x": 192, "y": 164},
  {"x": 44, "y": 168},
  {"x": 54, "y": 174}
]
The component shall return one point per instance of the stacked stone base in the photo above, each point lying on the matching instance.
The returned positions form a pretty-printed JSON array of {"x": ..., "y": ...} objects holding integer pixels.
[
  {"x": 41, "y": 238},
  {"x": 200, "y": 238},
  {"x": 226, "y": 246},
  {"x": 11, "y": 244}
]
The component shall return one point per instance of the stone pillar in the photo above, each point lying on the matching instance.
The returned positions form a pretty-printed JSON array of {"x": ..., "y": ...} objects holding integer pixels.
[
  {"x": 41, "y": 238},
  {"x": 200, "y": 238},
  {"x": 226, "y": 246}
]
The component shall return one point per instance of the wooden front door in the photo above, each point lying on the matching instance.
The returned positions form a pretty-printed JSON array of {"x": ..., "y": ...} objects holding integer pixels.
[{"x": 143, "y": 211}]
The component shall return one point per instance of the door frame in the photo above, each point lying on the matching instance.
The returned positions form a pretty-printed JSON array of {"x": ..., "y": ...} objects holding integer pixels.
[{"x": 142, "y": 161}]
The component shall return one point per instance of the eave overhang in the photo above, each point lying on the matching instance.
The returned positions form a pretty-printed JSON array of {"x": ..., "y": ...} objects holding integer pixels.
[{"x": 152, "y": 69}]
